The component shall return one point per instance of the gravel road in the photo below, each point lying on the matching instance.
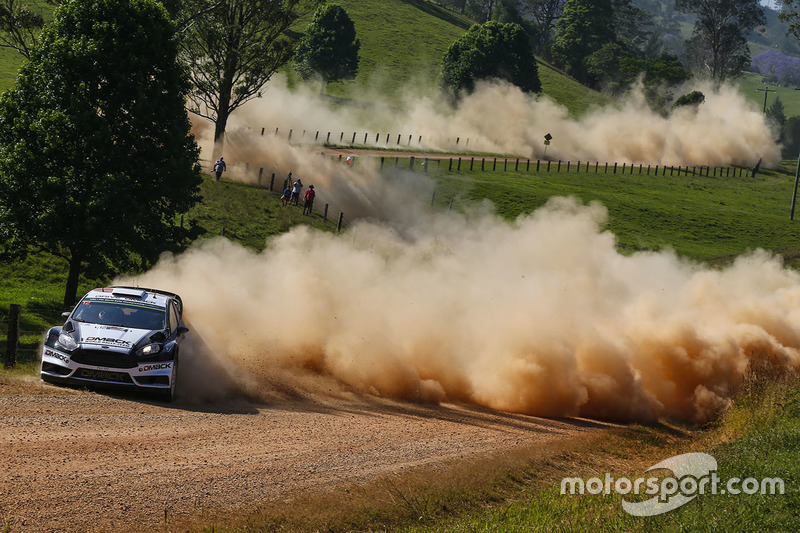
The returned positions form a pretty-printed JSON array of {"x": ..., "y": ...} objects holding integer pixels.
[{"x": 85, "y": 461}]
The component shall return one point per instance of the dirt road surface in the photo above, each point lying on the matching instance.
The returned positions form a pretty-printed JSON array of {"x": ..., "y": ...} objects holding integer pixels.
[{"x": 75, "y": 460}]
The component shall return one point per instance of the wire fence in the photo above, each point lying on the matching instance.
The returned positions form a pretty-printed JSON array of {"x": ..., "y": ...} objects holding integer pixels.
[
  {"x": 458, "y": 163},
  {"x": 371, "y": 140},
  {"x": 23, "y": 340}
]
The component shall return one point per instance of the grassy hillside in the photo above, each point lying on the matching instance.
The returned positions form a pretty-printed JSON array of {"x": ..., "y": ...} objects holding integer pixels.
[
  {"x": 402, "y": 42},
  {"x": 752, "y": 87},
  {"x": 10, "y": 61}
]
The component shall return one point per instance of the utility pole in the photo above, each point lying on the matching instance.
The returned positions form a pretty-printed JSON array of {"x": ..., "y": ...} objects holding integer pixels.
[{"x": 766, "y": 92}]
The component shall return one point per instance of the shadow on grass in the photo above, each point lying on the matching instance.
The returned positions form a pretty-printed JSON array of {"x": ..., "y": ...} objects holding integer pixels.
[{"x": 439, "y": 12}]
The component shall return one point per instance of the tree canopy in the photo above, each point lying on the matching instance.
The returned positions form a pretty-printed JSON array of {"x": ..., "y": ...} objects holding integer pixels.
[
  {"x": 490, "y": 50},
  {"x": 234, "y": 48},
  {"x": 585, "y": 26},
  {"x": 329, "y": 47},
  {"x": 21, "y": 21},
  {"x": 718, "y": 47},
  {"x": 96, "y": 155}
]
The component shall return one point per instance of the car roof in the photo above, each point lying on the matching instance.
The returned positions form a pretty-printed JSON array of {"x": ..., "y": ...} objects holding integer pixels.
[{"x": 123, "y": 295}]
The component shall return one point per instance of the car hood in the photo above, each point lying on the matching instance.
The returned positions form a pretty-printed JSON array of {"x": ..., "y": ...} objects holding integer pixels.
[{"x": 115, "y": 336}]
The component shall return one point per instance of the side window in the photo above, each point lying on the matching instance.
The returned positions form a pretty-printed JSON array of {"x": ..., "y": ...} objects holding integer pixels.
[{"x": 173, "y": 317}]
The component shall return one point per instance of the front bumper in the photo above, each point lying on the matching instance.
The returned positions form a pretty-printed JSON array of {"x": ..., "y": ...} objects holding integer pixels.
[{"x": 117, "y": 368}]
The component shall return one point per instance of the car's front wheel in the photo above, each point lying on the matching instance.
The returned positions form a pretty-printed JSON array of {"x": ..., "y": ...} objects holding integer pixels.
[{"x": 169, "y": 394}]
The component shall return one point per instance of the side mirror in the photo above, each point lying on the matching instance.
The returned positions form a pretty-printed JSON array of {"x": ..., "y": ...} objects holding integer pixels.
[
  {"x": 182, "y": 330},
  {"x": 66, "y": 314}
]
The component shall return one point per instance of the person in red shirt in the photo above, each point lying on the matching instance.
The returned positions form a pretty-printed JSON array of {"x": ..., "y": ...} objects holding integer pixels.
[{"x": 308, "y": 203}]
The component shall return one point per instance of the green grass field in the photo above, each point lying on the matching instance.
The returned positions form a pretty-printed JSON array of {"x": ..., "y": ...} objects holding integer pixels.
[
  {"x": 752, "y": 86},
  {"x": 703, "y": 218}
]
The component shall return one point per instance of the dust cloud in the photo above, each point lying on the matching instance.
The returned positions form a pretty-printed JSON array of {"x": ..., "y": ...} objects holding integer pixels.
[
  {"x": 540, "y": 316},
  {"x": 498, "y": 118}
]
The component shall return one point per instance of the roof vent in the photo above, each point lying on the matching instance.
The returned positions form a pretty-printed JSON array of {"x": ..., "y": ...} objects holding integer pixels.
[{"x": 129, "y": 293}]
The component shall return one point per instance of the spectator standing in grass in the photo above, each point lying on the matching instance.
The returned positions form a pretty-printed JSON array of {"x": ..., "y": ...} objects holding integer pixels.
[
  {"x": 298, "y": 185},
  {"x": 308, "y": 203},
  {"x": 287, "y": 194},
  {"x": 220, "y": 167},
  {"x": 287, "y": 183}
]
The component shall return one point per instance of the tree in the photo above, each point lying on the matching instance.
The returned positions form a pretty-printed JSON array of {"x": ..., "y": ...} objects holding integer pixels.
[
  {"x": 791, "y": 138},
  {"x": 21, "y": 21},
  {"x": 96, "y": 155},
  {"x": 490, "y": 50},
  {"x": 585, "y": 26},
  {"x": 694, "y": 98},
  {"x": 234, "y": 49},
  {"x": 790, "y": 14},
  {"x": 546, "y": 13},
  {"x": 330, "y": 47},
  {"x": 718, "y": 47},
  {"x": 776, "y": 117},
  {"x": 480, "y": 10}
]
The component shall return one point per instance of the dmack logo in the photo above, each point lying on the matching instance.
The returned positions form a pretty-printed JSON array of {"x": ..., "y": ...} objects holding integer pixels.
[
  {"x": 60, "y": 357},
  {"x": 161, "y": 366},
  {"x": 106, "y": 340}
]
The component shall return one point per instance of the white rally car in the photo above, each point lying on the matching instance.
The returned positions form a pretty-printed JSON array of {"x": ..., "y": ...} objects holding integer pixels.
[{"x": 120, "y": 336}]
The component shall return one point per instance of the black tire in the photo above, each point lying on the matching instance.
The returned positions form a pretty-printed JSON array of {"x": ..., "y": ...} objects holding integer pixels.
[{"x": 169, "y": 394}]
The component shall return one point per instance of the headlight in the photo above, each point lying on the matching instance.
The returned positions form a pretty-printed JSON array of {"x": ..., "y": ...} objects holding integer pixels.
[
  {"x": 150, "y": 349},
  {"x": 67, "y": 342}
]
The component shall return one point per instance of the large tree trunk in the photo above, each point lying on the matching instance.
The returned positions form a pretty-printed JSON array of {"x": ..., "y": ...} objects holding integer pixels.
[
  {"x": 71, "y": 291},
  {"x": 223, "y": 112},
  {"x": 219, "y": 135}
]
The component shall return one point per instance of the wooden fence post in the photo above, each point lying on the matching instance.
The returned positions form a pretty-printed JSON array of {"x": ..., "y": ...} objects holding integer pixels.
[
  {"x": 12, "y": 338},
  {"x": 325, "y": 215},
  {"x": 339, "y": 225}
]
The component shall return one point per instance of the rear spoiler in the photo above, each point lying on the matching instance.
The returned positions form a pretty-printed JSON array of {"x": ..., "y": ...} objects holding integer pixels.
[{"x": 156, "y": 291}]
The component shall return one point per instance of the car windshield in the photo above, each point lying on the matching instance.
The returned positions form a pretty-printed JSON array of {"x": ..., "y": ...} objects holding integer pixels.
[{"x": 116, "y": 314}]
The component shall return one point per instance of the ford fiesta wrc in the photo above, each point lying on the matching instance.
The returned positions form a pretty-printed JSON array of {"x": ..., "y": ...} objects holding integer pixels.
[{"x": 119, "y": 336}]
